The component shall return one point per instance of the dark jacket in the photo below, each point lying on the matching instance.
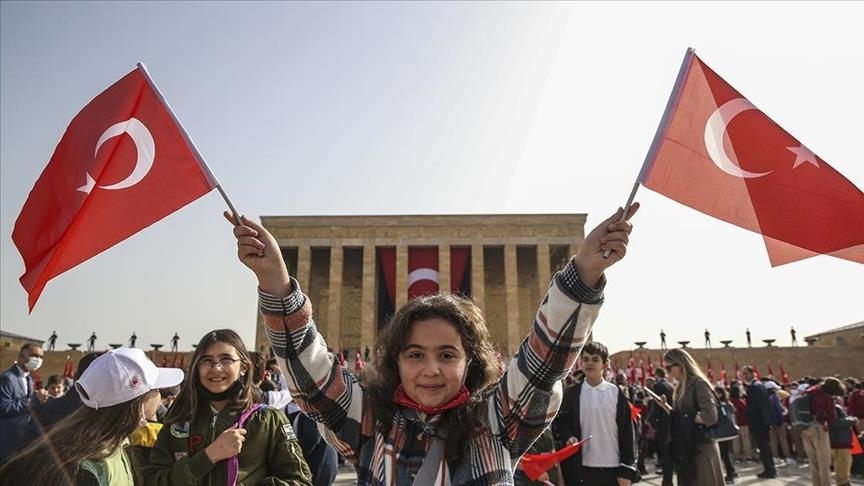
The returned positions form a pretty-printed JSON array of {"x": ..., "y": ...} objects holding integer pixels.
[
  {"x": 51, "y": 412},
  {"x": 15, "y": 403},
  {"x": 657, "y": 417},
  {"x": 841, "y": 430},
  {"x": 270, "y": 453},
  {"x": 567, "y": 425},
  {"x": 759, "y": 413}
]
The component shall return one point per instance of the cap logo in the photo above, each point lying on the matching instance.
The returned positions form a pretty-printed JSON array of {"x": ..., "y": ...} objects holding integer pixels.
[{"x": 135, "y": 382}]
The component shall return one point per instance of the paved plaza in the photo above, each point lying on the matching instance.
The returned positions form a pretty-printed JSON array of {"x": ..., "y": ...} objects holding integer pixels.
[{"x": 787, "y": 476}]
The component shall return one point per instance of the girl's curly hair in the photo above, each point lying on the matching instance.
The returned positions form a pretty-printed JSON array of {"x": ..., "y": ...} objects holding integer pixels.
[{"x": 482, "y": 373}]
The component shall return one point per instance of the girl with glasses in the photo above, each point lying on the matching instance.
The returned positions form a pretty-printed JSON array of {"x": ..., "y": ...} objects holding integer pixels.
[{"x": 216, "y": 432}]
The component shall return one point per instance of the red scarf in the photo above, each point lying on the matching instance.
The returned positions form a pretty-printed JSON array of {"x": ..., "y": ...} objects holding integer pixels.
[{"x": 401, "y": 398}]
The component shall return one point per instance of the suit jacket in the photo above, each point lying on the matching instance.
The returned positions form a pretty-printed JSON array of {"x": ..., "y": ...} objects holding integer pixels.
[
  {"x": 15, "y": 400},
  {"x": 759, "y": 413}
]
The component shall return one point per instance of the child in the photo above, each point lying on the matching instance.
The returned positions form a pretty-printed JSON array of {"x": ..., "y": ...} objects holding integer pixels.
[
  {"x": 215, "y": 434},
  {"x": 435, "y": 410},
  {"x": 119, "y": 389}
]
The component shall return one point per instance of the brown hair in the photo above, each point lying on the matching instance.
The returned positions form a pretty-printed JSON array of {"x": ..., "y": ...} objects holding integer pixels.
[
  {"x": 88, "y": 433},
  {"x": 689, "y": 369},
  {"x": 482, "y": 372},
  {"x": 189, "y": 404}
]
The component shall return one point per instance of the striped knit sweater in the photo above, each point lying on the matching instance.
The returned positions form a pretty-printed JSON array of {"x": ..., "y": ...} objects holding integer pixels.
[{"x": 517, "y": 410}]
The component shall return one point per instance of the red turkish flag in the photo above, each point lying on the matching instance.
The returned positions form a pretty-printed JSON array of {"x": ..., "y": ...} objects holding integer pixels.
[
  {"x": 534, "y": 465},
  {"x": 122, "y": 165},
  {"x": 783, "y": 375},
  {"x": 723, "y": 375},
  {"x": 634, "y": 412},
  {"x": 856, "y": 444},
  {"x": 68, "y": 368},
  {"x": 717, "y": 153}
]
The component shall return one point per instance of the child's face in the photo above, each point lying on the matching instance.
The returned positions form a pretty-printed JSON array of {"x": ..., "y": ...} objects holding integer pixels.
[
  {"x": 219, "y": 367},
  {"x": 55, "y": 390},
  {"x": 433, "y": 363},
  {"x": 593, "y": 365}
]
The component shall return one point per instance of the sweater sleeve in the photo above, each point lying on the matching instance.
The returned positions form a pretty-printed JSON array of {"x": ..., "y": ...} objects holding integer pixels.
[
  {"x": 321, "y": 387},
  {"x": 528, "y": 396}
]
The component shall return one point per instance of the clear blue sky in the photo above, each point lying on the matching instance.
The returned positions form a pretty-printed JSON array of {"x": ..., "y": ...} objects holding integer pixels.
[{"x": 430, "y": 108}]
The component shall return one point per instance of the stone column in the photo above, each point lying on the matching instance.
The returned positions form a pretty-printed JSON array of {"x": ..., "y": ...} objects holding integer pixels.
[
  {"x": 304, "y": 266},
  {"x": 367, "y": 308},
  {"x": 544, "y": 274},
  {"x": 511, "y": 290},
  {"x": 444, "y": 267},
  {"x": 478, "y": 276},
  {"x": 332, "y": 335},
  {"x": 401, "y": 276}
]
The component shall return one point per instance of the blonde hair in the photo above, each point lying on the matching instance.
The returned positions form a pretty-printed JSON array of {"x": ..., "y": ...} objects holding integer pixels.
[{"x": 689, "y": 370}]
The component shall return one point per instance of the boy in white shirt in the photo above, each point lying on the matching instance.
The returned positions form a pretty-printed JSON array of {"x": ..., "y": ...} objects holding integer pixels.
[{"x": 597, "y": 408}]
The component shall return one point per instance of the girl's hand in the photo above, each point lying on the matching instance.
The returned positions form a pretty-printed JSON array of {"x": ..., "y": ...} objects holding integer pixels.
[
  {"x": 613, "y": 235},
  {"x": 228, "y": 444},
  {"x": 258, "y": 250}
]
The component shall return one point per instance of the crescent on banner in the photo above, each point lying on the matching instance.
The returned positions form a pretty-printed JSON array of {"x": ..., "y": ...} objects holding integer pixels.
[
  {"x": 715, "y": 130},
  {"x": 144, "y": 145},
  {"x": 422, "y": 274}
]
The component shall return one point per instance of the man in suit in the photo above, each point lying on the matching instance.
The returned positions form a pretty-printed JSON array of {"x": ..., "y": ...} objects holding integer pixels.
[
  {"x": 759, "y": 416},
  {"x": 17, "y": 398},
  {"x": 660, "y": 421}
]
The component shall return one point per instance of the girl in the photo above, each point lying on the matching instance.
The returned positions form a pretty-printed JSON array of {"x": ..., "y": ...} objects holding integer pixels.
[
  {"x": 120, "y": 388},
  {"x": 216, "y": 434},
  {"x": 435, "y": 410},
  {"x": 697, "y": 460}
]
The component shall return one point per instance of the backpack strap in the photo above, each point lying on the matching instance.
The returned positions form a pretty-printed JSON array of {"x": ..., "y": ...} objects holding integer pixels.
[
  {"x": 233, "y": 463},
  {"x": 431, "y": 463}
]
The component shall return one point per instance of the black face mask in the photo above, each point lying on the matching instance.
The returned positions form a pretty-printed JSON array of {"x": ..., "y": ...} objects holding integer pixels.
[{"x": 231, "y": 392}]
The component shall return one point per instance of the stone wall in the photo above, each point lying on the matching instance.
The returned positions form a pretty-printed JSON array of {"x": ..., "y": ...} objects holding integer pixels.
[
  {"x": 55, "y": 361},
  {"x": 797, "y": 361}
]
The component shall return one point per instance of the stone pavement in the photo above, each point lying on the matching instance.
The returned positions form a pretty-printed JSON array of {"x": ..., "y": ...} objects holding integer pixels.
[{"x": 787, "y": 476}]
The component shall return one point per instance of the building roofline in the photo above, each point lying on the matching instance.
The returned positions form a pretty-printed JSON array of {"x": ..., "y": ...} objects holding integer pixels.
[
  {"x": 12, "y": 335},
  {"x": 848, "y": 327}
]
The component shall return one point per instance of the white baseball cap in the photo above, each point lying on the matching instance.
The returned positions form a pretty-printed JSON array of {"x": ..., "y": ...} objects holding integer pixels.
[{"x": 121, "y": 375}]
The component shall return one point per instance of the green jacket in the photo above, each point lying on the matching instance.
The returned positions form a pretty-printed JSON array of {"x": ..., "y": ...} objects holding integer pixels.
[{"x": 270, "y": 453}]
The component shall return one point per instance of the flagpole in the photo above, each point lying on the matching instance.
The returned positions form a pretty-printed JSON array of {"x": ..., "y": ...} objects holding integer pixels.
[
  {"x": 674, "y": 97},
  {"x": 189, "y": 142}
]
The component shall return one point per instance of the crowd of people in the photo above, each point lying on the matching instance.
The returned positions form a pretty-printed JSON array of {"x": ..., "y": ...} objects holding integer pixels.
[
  {"x": 435, "y": 406},
  {"x": 676, "y": 415}
]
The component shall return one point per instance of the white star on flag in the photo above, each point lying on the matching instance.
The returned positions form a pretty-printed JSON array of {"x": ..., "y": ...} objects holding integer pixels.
[{"x": 802, "y": 155}]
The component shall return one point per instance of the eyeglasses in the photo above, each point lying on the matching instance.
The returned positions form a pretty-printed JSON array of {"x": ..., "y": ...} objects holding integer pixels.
[{"x": 222, "y": 363}]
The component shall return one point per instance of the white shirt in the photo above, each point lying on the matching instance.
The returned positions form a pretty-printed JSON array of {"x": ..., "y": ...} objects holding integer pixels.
[{"x": 598, "y": 407}]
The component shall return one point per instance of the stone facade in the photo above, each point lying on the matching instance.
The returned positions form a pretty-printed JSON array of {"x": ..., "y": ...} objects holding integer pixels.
[{"x": 336, "y": 261}]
